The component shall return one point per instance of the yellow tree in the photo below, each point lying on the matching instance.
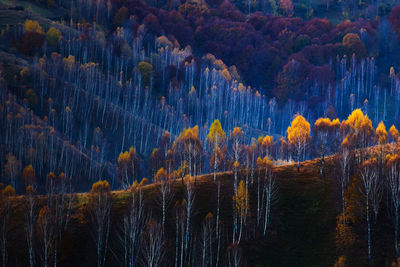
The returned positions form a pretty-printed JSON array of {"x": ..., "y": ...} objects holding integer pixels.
[
  {"x": 298, "y": 136},
  {"x": 381, "y": 134},
  {"x": 189, "y": 146},
  {"x": 266, "y": 143},
  {"x": 33, "y": 26},
  {"x": 128, "y": 167},
  {"x": 358, "y": 128},
  {"x": 216, "y": 137},
  {"x": 241, "y": 204}
]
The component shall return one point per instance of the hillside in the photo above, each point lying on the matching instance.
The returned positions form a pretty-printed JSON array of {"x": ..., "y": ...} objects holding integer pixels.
[
  {"x": 302, "y": 231},
  {"x": 117, "y": 116}
]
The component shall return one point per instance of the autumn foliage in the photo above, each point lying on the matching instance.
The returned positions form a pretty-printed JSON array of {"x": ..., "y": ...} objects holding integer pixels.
[{"x": 298, "y": 135}]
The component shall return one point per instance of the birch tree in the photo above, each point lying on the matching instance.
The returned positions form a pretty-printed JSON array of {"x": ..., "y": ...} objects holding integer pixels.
[
  {"x": 134, "y": 223},
  {"x": 236, "y": 136},
  {"x": 30, "y": 222},
  {"x": 161, "y": 178},
  {"x": 393, "y": 137},
  {"x": 298, "y": 135},
  {"x": 241, "y": 205},
  {"x": 100, "y": 207},
  {"x": 153, "y": 244},
  {"x": 216, "y": 138},
  {"x": 393, "y": 185},
  {"x": 369, "y": 175},
  {"x": 207, "y": 236},
  {"x": 45, "y": 229}
]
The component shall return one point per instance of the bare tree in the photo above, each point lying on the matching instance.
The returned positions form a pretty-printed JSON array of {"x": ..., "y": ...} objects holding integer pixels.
[
  {"x": 45, "y": 230},
  {"x": 100, "y": 208},
  {"x": 393, "y": 184},
  {"x": 207, "y": 234},
  {"x": 30, "y": 219},
  {"x": 153, "y": 244},
  {"x": 234, "y": 254},
  {"x": 165, "y": 191},
  {"x": 343, "y": 177},
  {"x": 369, "y": 175},
  {"x": 133, "y": 225},
  {"x": 179, "y": 233},
  {"x": 269, "y": 196},
  {"x": 60, "y": 199},
  {"x": 218, "y": 223},
  {"x": 189, "y": 210},
  {"x": 183, "y": 217},
  {"x": 236, "y": 136}
]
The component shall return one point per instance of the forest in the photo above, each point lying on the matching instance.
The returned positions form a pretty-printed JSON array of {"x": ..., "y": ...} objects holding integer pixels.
[{"x": 199, "y": 133}]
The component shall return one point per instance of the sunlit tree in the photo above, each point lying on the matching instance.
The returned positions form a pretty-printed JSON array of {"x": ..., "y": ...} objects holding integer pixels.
[
  {"x": 358, "y": 128},
  {"x": 299, "y": 135},
  {"x": 189, "y": 146},
  {"x": 216, "y": 138}
]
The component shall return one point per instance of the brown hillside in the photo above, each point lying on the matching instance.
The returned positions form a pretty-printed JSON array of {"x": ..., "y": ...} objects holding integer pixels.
[{"x": 302, "y": 232}]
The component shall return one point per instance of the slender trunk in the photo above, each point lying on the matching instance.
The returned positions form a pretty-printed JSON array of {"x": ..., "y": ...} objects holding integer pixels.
[
  {"x": 217, "y": 223},
  {"x": 176, "y": 239},
  {"x": 369, "y": 230},
  {"x": 215, "y": 165},
  {"x": 396, "y": 232},
  {"x": 258, "y": 198},
  {"x": 163, "y": 206},
  {"x": 241, "y": 229}
]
